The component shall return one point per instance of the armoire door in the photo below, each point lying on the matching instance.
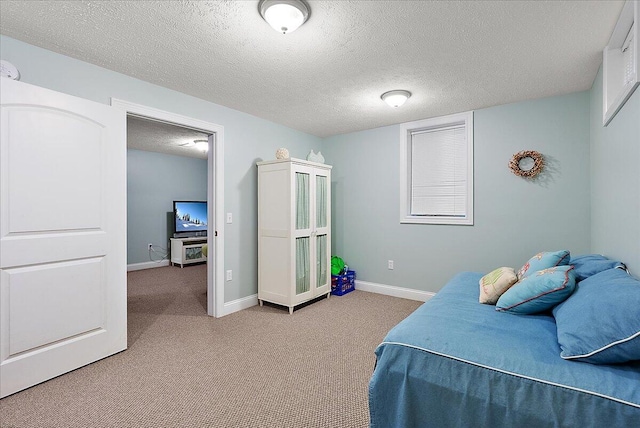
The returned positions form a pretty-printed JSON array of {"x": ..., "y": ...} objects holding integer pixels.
[
  {"x": 62, "y": 234},
  {"x": 322, "y": 231},
  {"x": 302, "y": 233}
]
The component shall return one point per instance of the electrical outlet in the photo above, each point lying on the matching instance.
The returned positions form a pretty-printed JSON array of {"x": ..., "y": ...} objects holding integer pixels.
[
  {"x": 150, "y": 245},
  {"x": 390, "y": 264},
  {"x": 229, "y": 275}
]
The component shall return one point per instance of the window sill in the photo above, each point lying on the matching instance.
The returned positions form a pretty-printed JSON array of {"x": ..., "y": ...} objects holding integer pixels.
[{"x": 459, "y": 221}]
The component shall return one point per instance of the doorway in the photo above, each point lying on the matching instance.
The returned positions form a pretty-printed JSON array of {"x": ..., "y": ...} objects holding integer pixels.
[{"x": 215, "y": 192}]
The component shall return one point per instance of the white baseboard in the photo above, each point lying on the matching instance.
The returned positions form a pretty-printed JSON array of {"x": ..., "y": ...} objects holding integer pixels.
[
  {"x": 388, "y": 290},
  {"x": 147, "y": 265},
  {"x": 240, "y": 304},
  {"x": 391, "y": 290}
]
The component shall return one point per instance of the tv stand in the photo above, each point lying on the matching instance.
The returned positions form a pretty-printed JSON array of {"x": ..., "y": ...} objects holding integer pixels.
[{"x": 187, "y": 250}]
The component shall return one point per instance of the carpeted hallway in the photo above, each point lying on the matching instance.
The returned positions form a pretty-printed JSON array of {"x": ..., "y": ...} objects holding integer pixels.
[{"x": 260, "y": 367}]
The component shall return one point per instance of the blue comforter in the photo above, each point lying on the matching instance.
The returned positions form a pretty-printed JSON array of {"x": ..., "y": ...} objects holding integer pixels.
[{"x": 457, "y": 363}]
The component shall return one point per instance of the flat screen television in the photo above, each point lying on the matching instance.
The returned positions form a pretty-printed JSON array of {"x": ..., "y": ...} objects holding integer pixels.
[{"x": 190, "y": 218}]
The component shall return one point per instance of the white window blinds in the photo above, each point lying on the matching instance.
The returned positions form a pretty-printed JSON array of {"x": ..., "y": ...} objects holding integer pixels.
[
  {"x": 438, "y": 178},
  {"x": 628, "y": 52}
]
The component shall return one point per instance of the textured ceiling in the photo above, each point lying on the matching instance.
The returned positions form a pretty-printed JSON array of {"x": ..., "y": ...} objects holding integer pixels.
[
  {"x": 326, "y": 77},
  {"x": 151, "y": 136}
]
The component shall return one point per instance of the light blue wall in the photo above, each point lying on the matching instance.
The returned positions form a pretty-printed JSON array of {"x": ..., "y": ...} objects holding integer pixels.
[
  {"x": 615, "y": 180},
  {"x": 154, "y": 181},
  {"x": 247, "y": 139},
  {"x": 514, "y": 218}
]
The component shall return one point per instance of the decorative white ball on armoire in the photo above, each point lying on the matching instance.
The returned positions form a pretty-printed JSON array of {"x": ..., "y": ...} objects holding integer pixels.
[{"x": 282, "y": 153}]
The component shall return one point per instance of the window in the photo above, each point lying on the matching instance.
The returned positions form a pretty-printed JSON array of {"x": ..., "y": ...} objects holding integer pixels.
[
  {"x": 620, "y": 73},
  {"x": 436, "y": 170}
]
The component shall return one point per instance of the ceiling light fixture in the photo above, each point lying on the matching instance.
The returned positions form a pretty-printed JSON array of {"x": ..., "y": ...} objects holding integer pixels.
[
  {"x": 202, "y": 145},
  {"x": 284, "y": 15},
  {"x": 395, "y": 98}
]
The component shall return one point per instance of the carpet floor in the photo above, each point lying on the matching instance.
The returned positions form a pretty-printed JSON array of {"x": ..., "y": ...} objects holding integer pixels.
[{"x": 259, "y": 367}]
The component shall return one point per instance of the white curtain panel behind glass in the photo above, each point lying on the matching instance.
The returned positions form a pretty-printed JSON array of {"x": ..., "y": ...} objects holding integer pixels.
[
  {"x": 303, "y": 282},
  {"x": 321, "y": 221}
]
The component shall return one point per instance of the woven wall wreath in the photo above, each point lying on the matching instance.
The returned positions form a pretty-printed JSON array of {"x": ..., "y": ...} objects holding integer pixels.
[{"x": 538, "y": 163}]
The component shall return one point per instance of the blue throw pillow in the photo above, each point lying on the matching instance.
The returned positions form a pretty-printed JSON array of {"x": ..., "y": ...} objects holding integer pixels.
[
  {"x": 600, "y": 323},
  {"x": 538, "y": 291},
  {"x": 544, "y": 260},
  {"x": 591, "y": 264}
]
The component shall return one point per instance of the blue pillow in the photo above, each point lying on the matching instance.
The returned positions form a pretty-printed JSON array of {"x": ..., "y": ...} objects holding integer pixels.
[
  {"x": 600, "y": 323},
  {"x": 591, "y": 264},
  {"x": 539, "y": 291},
  {"x": 544, "y": 260}
]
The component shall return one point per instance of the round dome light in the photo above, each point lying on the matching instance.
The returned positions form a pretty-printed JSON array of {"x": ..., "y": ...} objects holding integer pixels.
[
  {"x": 284, "y": 16},
  {"x": 202, "y": 145},
  {"x": 396, "y": 98}
]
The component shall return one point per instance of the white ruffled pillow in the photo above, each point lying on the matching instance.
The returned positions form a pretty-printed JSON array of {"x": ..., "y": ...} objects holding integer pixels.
[{"x": 496, "y": 282}]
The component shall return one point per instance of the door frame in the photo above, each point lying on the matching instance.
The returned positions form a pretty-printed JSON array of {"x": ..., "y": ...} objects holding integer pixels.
[{"x": 215, "y": 192}]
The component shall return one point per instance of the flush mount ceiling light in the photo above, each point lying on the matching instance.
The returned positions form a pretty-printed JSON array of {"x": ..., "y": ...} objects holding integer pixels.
[
  {"x": 198, "y": 144},
  {"x": 202, "y": 145},
  {"x": 395, "y": 98},
  {"x": 284, "y": 15}
]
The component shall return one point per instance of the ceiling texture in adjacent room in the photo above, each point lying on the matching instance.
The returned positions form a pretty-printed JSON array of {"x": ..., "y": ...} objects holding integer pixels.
[
  {"x": 153, "y": 136},
  {"x": 326, "y": 78}
]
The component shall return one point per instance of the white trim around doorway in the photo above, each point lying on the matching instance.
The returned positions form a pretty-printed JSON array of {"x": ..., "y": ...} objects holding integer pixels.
[{"x": 215, "y": 193}]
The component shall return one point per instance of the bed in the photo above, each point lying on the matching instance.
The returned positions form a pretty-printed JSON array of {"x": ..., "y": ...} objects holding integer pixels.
[{"x": 457, "y": 363}]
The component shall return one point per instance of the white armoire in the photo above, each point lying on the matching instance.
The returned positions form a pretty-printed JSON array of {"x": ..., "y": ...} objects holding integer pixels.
[{"x": 294, "y": 231}]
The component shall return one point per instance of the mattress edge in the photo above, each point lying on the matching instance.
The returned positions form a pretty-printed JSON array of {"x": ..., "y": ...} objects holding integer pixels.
[{"x": 548, "y": 382}]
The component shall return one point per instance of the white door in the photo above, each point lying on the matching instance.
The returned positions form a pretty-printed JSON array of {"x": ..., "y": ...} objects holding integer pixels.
[{"x": 62, "y": 234}]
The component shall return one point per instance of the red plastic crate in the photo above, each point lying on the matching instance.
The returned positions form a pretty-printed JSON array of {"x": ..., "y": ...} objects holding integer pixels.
[{"x": 343, "y": 284}]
